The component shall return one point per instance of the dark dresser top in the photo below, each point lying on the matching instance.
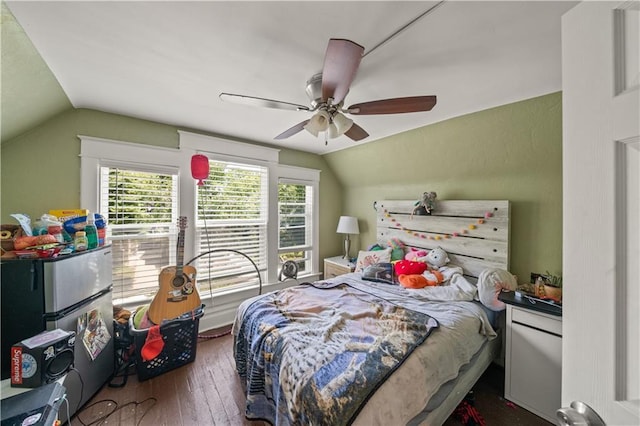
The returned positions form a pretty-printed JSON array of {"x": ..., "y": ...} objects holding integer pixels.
[{"x": 530, "y": 302}]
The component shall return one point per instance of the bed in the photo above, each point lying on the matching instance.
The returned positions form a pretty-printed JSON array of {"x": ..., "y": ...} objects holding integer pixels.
[{"x": 353, "y": 351}]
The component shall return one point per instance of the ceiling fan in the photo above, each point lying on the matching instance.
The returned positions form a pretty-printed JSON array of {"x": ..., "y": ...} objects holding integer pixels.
[{"x": 327, "y": 91}]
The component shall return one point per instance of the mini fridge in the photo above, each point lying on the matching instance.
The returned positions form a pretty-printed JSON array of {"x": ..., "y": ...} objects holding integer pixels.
[{"x": 73, "y": 293}]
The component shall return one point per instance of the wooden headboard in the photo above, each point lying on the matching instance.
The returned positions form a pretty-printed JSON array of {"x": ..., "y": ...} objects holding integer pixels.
[{"x": 475, "y": 234}]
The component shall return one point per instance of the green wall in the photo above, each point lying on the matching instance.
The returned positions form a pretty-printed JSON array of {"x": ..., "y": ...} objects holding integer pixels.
[
  {"x": 512, "y": 152},
  {"x": 40, "y": 169},
  {"x": 30, "y": 92}
]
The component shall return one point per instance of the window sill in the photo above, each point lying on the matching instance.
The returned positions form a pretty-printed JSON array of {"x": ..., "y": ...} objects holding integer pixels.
[{"x": 221, "y": 306}]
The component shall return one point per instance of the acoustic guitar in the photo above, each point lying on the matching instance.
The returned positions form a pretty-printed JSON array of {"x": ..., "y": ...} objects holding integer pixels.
[{"x": 177, "y": 293}]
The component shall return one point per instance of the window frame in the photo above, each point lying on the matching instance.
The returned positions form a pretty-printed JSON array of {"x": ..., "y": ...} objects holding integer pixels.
[
  {"x": 300, "y": 176},
  {"x": 97, "y": 152},
  {"x": 171, "y": 234},
  {"x": 262, "y": 223}
]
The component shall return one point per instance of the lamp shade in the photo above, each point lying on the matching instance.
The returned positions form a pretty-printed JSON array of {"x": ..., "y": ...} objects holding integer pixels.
[
  {"x": 339, "y": 124},
  {"x": 200, "y": 168},
  {"x": 348, "y": 225},
  {"x": 318, "y": 123}
]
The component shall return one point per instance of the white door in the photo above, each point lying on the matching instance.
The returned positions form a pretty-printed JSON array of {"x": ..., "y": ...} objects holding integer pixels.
[{"x": 601, "y": 192}]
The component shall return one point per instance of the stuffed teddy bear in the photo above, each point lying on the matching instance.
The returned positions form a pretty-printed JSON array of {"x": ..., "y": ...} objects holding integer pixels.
[
  {"x": 420, "y": 268},
  {"x": 436, "y": 258}
]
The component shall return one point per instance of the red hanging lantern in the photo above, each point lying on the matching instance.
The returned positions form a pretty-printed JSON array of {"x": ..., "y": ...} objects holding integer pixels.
[{"x": 200, "y": 168}]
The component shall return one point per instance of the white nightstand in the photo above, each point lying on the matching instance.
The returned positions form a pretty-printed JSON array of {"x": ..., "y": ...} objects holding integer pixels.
[
  {"x": 335, "y": 266},
  {"x": 533, "y": 358}
]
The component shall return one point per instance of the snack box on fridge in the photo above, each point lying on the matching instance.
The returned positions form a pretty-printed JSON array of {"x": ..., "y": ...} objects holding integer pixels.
[{"x": 66, "y": 214}]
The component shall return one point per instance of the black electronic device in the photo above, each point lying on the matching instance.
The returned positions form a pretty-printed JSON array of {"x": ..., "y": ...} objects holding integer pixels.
[
  {"x": 42, "y": 359},
  {"x": 35, "y": 407}
]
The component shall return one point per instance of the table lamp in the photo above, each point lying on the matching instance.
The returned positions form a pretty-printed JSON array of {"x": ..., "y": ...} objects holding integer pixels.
[{"x": 347, "y": 225}]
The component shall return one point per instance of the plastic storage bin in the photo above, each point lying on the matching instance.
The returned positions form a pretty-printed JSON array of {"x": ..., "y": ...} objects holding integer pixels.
[{"x": 180, "y": 338}]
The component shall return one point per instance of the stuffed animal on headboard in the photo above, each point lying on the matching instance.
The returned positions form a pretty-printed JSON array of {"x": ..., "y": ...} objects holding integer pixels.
[{"x": 426, "y": 205}]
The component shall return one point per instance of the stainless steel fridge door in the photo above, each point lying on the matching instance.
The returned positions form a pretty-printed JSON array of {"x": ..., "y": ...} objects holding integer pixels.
[
  {"x": 94, "y": 349},
  {"x": 68, "y": 281}
]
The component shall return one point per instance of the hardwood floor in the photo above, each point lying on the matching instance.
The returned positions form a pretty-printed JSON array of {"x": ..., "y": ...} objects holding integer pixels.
[
  {"x": 494, "y": 409},
  {"x": 209, "y": 392}
]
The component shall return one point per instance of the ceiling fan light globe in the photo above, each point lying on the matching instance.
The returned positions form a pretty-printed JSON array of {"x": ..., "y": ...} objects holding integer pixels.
[
  {"x": 311, "y": 129},
  {"x": 318, "y": 123},
  {"x": 333, "y": 131},
  {"x": 342, "y": 123}
]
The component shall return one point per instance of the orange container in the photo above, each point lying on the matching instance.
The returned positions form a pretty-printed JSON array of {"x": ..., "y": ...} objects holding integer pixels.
[{"x": 102, "y": 233}]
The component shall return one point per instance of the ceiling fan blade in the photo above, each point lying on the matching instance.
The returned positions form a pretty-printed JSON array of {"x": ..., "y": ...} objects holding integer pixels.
[
  {"x": 341, "y": 62},
  {"x": 356, "y": 133},
  {"x": 394, "y": 106},
  {"x": 292, "y": 131},
  {"x": 261, "y": 102}
]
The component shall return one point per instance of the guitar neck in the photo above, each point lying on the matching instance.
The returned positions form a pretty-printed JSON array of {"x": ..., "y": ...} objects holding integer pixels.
[{"x": 180, "y": 253}]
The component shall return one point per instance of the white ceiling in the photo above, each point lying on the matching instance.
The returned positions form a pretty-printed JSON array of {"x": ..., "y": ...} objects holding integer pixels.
[{"x": 168, "y": 61}]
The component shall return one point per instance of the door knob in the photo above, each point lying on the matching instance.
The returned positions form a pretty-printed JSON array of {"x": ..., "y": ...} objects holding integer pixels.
[{"x": 578, "y": 414}]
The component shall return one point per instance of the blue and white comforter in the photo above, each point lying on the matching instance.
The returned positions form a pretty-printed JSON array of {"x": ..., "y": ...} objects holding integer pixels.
[{"x": 317, "y": 354}]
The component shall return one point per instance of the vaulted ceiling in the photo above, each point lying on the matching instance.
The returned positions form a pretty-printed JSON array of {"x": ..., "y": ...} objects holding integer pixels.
[{"x": 169, "y": 61}]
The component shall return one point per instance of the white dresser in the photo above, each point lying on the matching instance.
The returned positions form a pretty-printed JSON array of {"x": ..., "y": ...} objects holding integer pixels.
[{"x": 533, "y": 359}]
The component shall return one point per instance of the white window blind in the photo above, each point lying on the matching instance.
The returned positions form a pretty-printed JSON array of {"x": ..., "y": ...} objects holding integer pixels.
[
  {"x": 141, "y": 211},
  {"x": 295, "y": 223},
  {"x": 232, "y": 212},
  {"x": 237, "y": 210}
]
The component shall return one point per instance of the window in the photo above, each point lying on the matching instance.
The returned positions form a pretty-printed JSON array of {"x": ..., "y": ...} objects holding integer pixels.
[
  {"x": 249, "y": 204},
  {"x": 295, "y": 223},
  {"x": 232, "y": 216},
  {"x": 141, "y": 210}
]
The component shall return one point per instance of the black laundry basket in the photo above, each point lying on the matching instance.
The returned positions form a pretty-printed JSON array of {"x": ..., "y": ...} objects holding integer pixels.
[{"x": 180, "y": 338}]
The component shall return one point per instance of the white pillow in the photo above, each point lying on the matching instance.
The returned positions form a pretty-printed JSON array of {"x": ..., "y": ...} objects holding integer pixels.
[
  {"x": 490, "y": 283},
  {"x": 367, "y": 258}
]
